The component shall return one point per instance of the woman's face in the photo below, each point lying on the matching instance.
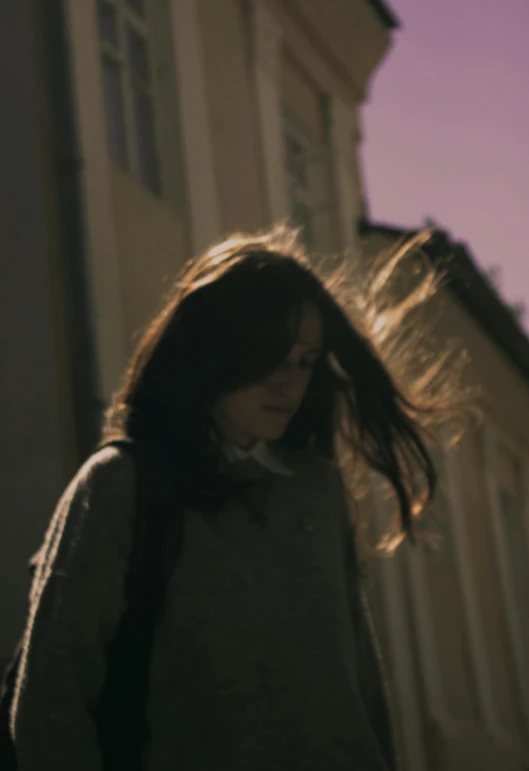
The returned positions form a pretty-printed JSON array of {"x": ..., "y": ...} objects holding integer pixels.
[{"x": 264, "y": 410}]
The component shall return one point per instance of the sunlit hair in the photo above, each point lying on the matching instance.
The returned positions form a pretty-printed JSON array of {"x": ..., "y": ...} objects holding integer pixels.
[{"x": 228, "y": 322}]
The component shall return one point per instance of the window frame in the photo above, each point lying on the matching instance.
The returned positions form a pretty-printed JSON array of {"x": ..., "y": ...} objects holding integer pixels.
[
  {"x": 418, "y": 588},
  {"x": 314, "y": 152},
  {"x": 414, "y": 583},
  {"x": 125, "y": 15},
  {"x": 492, "y": 437}
]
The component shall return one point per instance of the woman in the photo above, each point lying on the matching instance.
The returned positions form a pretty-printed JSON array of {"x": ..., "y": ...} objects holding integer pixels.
[{"x": 254, "y": 381}]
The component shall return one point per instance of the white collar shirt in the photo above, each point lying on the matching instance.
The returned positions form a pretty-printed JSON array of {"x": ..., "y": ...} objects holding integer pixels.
[{"x": 260, "y": 452}]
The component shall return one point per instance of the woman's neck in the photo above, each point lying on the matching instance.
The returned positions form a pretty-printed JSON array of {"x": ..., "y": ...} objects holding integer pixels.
[{"x": 246, "y": 445}]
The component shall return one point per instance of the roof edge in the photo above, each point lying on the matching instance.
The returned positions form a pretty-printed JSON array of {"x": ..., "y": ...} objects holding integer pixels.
[
  {"x": 385, "y": 13},
  {"x": 471, "y": 287}
]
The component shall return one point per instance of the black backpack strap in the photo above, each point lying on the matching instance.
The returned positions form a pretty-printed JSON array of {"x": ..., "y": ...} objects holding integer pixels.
[
  {"x": 121, "y": 715},
  {"x": 157, "y": 528}
]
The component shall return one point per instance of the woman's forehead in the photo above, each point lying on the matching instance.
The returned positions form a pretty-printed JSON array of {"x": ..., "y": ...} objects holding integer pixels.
[{"x": 310, "y": 326}]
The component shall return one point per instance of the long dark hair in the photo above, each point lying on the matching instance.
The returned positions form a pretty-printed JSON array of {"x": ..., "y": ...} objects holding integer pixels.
[{"x": 227, "y": 322}]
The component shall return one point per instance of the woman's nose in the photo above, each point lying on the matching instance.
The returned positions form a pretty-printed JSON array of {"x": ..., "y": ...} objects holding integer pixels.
[{"x": 291, "y": 382}]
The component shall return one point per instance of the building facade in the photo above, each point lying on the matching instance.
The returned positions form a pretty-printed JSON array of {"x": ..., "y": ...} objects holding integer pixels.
[
  {"x": 453, "y": 620},
  {"x": 140, "y": 133}
]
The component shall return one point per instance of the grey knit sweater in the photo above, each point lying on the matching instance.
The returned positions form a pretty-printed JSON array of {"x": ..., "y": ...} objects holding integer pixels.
[{"x": 262, "y": 659}]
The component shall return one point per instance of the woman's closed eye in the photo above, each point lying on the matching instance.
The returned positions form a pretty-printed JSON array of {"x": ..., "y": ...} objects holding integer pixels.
[
  {"x": 304, "y": 365},
  {"x": 308, "y": 365}
]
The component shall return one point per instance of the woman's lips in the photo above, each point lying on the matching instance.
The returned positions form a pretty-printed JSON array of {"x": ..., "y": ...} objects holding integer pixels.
[{"x": 287, "y": 411}]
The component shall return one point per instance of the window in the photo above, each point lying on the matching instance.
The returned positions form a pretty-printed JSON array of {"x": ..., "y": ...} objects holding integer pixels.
[
  {"x": 129, "y": 88},
  {"x": 310, "y": 188},
  {"x": 505, "y": 475},
  {"x": 299, "y": 192},
  {"x": 308, "y": 157},
  {"x": 511, "y": 505}
]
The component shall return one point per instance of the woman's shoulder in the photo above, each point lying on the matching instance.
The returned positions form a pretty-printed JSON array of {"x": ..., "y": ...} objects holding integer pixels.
[
  {"x": 111, "y": 467},
  {"x": 93, "y": 517},
  {"x": 108, "y": 474},
  {"x": 102, "y": 489}
]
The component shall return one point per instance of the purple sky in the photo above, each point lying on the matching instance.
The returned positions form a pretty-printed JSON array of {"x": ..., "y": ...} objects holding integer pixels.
[{"x": 447, "y": 129}]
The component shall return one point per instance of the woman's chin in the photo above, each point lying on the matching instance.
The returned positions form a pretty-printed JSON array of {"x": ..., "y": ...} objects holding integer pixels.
[{"x": 272, "y": 433}]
